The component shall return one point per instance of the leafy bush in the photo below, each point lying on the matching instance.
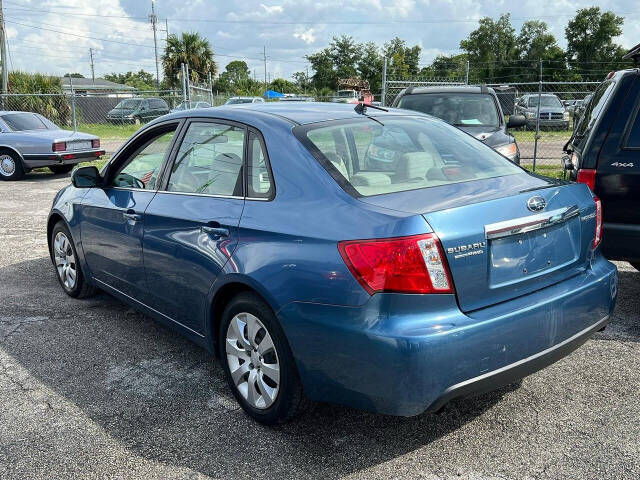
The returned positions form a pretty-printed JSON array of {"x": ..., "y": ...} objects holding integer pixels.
[{"x": 55, "y": 106}]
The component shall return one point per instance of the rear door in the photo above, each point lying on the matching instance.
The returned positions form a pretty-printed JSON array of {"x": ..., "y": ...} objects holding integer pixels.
[
  {"x": 618, "y": 178},
  {"x": 191, "y": 225}
]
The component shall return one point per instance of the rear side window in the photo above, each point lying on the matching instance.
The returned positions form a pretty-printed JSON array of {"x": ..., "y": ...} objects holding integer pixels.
[
  {"x": 592, "y": 112},
  {"x": 260, "y": 184},
  {"x": 23, "y": 121},
  {"x": 633, "y": 140},
  {"x": 383, "y": 155}
]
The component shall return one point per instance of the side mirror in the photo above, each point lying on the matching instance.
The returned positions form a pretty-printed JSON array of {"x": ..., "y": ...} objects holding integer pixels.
[
  {"x": 516, "y": 121},
  {"x": 86, "y": 177},
  {"x": 567, "y": 164}
]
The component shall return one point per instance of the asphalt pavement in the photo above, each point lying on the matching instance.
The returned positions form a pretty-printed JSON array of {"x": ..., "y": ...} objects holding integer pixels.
[{"x": 92, "y": 389}]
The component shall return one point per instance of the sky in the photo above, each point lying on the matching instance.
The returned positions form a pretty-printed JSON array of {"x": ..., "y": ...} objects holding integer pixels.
[{"x": 54, "y": 36}]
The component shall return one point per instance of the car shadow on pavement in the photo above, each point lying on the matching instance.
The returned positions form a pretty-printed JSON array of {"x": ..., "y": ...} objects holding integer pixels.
[{"x": 165, "y": 399}]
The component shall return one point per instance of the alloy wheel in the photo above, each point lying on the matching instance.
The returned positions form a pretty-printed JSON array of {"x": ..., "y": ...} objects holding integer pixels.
[
  {"x": 65, "y": 260},
  {"x": 253, "y": 360},
  {"x": 7, "y": 165}
]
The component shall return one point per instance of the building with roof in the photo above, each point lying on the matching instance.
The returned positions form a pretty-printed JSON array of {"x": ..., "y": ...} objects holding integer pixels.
[{"x": 88, "y": 86}]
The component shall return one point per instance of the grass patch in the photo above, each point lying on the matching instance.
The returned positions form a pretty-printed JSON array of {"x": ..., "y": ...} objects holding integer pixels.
[
  {"x": 108, "y": 131},
  {"x": 530, "y": 135},
  {"x": 551, "y": 171}
]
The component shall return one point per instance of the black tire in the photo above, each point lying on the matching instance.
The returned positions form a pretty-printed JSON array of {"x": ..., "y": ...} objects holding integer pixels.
[
  {"x": 81, "y": 288},
  {"x": 290, "y": 399},
  {"x": 635, "y": 265},
  {"x": 61, "y": 168},
  {"x": 11, "y": 169}
]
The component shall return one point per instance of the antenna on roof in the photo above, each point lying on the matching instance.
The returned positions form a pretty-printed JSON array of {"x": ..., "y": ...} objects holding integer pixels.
[{"x": 361, "y": 108}]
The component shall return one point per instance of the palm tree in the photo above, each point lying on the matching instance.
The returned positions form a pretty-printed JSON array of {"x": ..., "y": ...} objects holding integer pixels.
[{"x": 191, "y": 49}]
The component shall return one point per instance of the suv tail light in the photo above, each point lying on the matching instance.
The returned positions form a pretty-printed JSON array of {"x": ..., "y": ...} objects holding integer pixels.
[
  {"x": 598, "y": 234},
  {"x": 95, "y": 143},
  {"x": 413, "y": 264},
  {"x": 587, "y": 176},
  {"x": 59, "y": 147}
]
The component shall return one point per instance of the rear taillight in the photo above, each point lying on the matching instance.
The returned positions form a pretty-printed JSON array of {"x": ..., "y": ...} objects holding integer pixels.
[
  {"x": 413, "y": 264},
  {"x": 588, "y": 177},
  {"x": 95, "y": 143},
  {"x": 59, "y": 147},
  {"x": 598, "y": 235}
]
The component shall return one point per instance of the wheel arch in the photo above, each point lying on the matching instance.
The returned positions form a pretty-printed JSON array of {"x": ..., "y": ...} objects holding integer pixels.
[
  {"x": 8, "y": 148},
  {"x": 223, "y": 292},
  {"x": 54, "y": 218}
]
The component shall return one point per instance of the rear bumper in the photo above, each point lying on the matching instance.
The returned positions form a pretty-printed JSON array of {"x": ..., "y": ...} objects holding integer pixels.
[
  {"x": 621, "y": 241},
  {"x": 405, "y": 354},
  {"x": 62, "y": 158}
]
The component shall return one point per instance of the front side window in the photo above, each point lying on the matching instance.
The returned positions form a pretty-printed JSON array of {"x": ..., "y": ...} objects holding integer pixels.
[
  {"x": 142, "y": 168},
  {"x": 209, "y": 160},
  {"x": 384, "y": 155},
  {"x": 459, "y": 109},
  {"x": 633, "y": 140},
  {"x": 19, "y": 122}
]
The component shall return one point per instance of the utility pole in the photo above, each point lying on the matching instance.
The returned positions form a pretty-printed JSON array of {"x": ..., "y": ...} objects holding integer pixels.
[
  {"x": 264, "y": 57},
  {"x": 3, "y": 52},
  {"x": 93, "y": 72},
  {"x": 383, "y": 100},
  {"x": 154, "y": 20}
]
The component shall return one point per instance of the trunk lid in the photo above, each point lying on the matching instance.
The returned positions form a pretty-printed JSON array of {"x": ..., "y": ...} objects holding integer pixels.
[{"x": 496, "y": 247}]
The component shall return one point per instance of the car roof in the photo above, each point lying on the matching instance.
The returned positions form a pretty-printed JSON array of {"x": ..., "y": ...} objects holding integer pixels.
[
  {"x": 4, "y": 112},
  {"x": 299, "y": 113},
  {"x": 448, "y": 89}
]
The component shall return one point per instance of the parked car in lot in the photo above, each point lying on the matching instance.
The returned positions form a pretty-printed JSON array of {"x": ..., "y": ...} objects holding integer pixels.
[
  {"x": 138, "y": 110},
  {"x": 262, "y": 233},
  {"x": 237, "y": 100},
  {"x": 189, "y": 106},
  {"x": 579, "y": 109},
  {"x": 604, "y": 153},
  {"x": 552, "y": 113},
  {"x": 475, "y": 110},
  {"x": 29, "y": 140}
]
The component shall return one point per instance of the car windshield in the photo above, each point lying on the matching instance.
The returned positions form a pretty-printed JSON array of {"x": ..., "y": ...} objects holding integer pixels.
[
  {"x": 234, "y": 101},
  {"x": 19, "y": 122},
  {"x": 545, "y": 101},
  {"x": 346, "y": 93},
  {"x": 128, "y": 104},
  {"x": 384, "y": 155},
  {"x": 459, "y": 109}
]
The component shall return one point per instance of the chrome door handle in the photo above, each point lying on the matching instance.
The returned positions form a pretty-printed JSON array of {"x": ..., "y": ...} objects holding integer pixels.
[
  {"x": 215, "y": 231},
  {"x": 131, "y": 215}
]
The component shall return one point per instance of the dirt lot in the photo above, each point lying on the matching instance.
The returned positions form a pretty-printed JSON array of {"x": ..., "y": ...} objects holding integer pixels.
[{"x": 91, "y": 389}]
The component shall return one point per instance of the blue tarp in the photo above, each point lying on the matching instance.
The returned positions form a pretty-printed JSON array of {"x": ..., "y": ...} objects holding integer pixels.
[{"x": 272, "y": 94}]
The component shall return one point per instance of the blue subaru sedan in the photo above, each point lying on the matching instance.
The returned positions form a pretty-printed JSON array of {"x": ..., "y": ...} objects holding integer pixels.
[{"x": 274, "y": 236}]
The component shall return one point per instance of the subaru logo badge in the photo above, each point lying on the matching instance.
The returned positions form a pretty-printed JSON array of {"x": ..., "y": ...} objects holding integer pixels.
[{"x": 536, "y": 204}]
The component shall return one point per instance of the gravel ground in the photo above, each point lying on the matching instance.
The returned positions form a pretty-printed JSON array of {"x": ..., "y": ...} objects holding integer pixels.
[{"x": 92, "y": 389}]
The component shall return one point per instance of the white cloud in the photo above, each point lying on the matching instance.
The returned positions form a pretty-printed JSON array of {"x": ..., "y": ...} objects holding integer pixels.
[
  {"x": 272, "y": 9},
  {"x": 307, "y": 36}
]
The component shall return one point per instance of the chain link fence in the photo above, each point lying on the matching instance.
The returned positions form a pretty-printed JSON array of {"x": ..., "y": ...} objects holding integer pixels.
[{"x": 547, "y": 129}]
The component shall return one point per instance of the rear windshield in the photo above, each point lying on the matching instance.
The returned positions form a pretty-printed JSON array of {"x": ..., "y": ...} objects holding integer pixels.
[
  {"x": 371, "y": 156},
  {"x": 459, "y": 109},
  {"x": 24, "y": 121}
]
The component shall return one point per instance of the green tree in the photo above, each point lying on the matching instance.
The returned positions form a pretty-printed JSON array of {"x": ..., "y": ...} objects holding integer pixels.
[
  {"x": 345, "y": 54},
  {"x": 447, "y": 67},
  {"x": 403, "y": 61},
  {"x": 74, "y": 75},
  {"x": 140, "y": 80},
  {"x": 302, "y": 80},
  {"x": 491, "y": 49},
  {"x": 535, "y": 43},
  {"x": 283, "y": 86},
  {"x": 590, "y": 37},
  {"x": 369, "y": 66},
  {"x": 324, "y": 75},
  {"x": 191, "y": 49}
]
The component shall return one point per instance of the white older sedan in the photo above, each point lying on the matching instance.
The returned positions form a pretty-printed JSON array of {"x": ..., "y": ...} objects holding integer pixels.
[{"x": 29, "y": 140}]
